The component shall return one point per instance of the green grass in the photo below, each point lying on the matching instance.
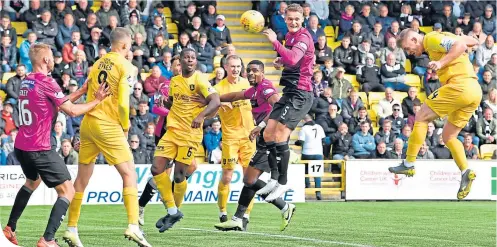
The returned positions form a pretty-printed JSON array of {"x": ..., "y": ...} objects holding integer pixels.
[{"x": 314, "y": 224}]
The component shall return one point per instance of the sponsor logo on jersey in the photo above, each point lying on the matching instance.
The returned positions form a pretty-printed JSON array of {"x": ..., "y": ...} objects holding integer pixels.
[
  {"x": 59, "y": 95},
  {"x": 447, "y": 43}
]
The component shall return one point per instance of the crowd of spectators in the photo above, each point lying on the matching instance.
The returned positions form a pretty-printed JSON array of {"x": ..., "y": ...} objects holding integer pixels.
[{"x": 367, "y": 31}]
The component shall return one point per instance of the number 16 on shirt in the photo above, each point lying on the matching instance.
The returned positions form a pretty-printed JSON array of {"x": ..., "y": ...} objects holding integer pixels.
[{"x": 315, "y": 168}]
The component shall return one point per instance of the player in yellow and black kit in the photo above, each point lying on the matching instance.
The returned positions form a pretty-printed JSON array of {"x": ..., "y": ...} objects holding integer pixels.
[
  {"x": 105, "y": 130},
  {"x": 184, "y": 133},
  {"x": 237, "y": 122},
  {"x": 458, "y": 98}
]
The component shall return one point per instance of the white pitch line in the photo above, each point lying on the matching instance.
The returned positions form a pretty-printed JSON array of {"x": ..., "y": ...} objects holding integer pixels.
[{"x": 283, "y": 236}]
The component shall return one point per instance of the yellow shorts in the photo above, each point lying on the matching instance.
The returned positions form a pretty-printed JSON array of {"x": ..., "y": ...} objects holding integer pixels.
[
  {"x": 98, "y": 136},
  {"x": 457, "y": 100},
  {"x": 172, "y": 147},
  {"x": 237, "y": 151}
]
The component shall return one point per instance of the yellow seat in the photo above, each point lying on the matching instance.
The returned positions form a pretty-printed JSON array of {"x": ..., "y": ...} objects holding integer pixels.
[
  {"x": 375, "y": 130},
  {"x": 167, "y": 12},
  {"x": 352, "y": 79},
  {"x": 422, "y": 96},
  {"x": 329, "y": 31},
  {"x": 426, "y": 29},
  {"x": 20, "y": 39},
  {"x": 217, "y": 61},
  {"x": 372, "y": 114},
  {"x": 487, "y": 151},
  {"x": 144, "y": 76},
  {"x": 7, "y": 76},
  {"x": 364, "y": 98},
  {"x": 408, "y": 66},
  {"x": 399, "y": 96},
  {"x": 172, "y": 28},
  {"x": 413, "y": 80},
  {"x": 333, "y": 45},
  {"x": 375, "y": 97},
  {"x": 3, "y": 95},
  {"x": 95, "y": 8},
  {"x": 20, "y": 27},
  {"x": 295, "y": 134}
]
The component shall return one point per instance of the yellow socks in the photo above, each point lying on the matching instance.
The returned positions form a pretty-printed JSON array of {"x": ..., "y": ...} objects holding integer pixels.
[
  {"x": 164, "y": 186},
  {"x": 223, "y": 191},
  {"x": 130, "y": 196},
  {"x": 457, "y": 150},
  {"x": 75, "y": 209},
  {"x": 179, "y": 192},
  {"x": 416, "y": 140}
]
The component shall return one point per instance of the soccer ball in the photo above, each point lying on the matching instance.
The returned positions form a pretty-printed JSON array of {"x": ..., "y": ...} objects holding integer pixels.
[{"x": 252, "y": 21}]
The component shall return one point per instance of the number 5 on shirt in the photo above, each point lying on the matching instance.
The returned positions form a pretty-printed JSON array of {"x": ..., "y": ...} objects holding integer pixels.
[{"x": 315, "y": 168}]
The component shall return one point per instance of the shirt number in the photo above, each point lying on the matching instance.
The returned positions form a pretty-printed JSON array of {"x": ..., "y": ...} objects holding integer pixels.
[{"x": 25, "y": 116}]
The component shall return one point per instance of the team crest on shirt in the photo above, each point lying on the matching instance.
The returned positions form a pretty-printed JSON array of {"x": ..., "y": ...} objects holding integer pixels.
[
  {"x": 59, "y": 95},
  {"x": 211, "y": 90},
  {"x": 268, "y": 91},
  {"x": 192, "y": 87}
]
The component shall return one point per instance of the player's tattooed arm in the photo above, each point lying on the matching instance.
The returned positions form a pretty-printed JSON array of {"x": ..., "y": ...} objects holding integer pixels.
[
  {"x": 211, "y": 108},
  {"x": 456, "y": 49}
]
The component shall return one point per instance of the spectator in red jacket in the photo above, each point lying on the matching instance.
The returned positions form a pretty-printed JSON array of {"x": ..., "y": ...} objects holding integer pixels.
[
  {"x": 153, "y": 82},
  {"x": 71, "y": 48}
]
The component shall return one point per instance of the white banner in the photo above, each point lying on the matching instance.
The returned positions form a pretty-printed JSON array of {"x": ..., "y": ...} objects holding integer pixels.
[
  {"x": 434, "y": 180},
  {"x": 105, "y": 186}
]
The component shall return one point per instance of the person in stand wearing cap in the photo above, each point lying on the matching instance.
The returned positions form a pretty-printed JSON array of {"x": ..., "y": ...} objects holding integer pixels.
[
  {"x": 135, "y": 26},
  {"x": 73, "y": 87},
  {"x": 437, "y": 27},
  {"x": 59, "y": 66},
  {"x": 60, "y": 11},
  {"x": 219, "y": 34}
]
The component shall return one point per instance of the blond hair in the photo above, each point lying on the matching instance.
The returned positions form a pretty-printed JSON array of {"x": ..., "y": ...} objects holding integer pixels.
[
  {"x": 295, "y": 8},
  {"x": 38, "y": 51},
  {"x": 119, "y": 35}
]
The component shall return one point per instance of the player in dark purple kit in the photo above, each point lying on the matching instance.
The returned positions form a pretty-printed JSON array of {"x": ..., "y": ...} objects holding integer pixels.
[
  {"x": 297, "y": 58},
  {"x": 262, "y": 96},
  {"x": 40, "y": 97}
]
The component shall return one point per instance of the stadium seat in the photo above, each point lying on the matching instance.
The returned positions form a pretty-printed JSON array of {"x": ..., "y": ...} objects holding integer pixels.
[
  {"x": 7, "y": 76},
  {"x": 20, "y": 27},
  {"x": 333, "y": 45},
  {"x": 217, "y": 61},
  {"x": 20, "y": 39},
  {"x": 167, "y": 12},
  {"x": 352, "y": 79},
  {"x": 295, "y": 134},
  {"x": 375, "y": 97},
  {"x": 422, "y": 96},
  {"x": 372, "y": 115},
  {"x": 413, "y": 80},
  {"x": 408, "y": 66},
  {"x": 375, "y": 130},
  {"x": 329, "y": 31},
  {"x": 399, "y": 96},
  {"x": 172, "y": 28},
  {"x": 487, "y": 151},
  {"x": 171, "y": 43},
  {"x": 426, "y": 29},
  {"x": 364, "y": 98},
  {"x": 95, "y": 8},
  {"x": 144, "y": 76}
]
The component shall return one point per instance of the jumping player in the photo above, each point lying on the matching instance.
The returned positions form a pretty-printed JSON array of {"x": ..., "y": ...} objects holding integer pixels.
[
  {"x": 262, "y": 96},
  {"x": 184, "y": 133},
  {"x": 105, "y": 130},
  {"x": 298, "y": 60},
  {"x": 458, "y": 98},
  {"x": 151, "y": 188},
  {"x": 39, "y": 98}
]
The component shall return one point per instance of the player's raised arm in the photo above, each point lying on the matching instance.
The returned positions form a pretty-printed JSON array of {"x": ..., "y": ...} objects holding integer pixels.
[
  {"x": 288, "y": 57},
  {"x": 74, "y": 110}
]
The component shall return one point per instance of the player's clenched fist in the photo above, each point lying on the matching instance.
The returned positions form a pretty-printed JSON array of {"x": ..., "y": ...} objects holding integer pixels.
[
  {"x": 103, "y": 92},
  {"x": 434, "y": 65},
  {"x": 197, "y": 122}
]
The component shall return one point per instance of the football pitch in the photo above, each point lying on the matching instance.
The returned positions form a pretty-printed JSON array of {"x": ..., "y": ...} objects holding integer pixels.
[{"x": 314, "y": 224}]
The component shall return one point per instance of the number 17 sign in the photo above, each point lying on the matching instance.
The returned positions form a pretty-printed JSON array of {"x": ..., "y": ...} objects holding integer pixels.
[{"x": 315, "y": 168}]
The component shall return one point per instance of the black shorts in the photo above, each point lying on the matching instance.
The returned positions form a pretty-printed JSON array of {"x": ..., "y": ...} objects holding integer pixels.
[
  {"x": 45, "y": 164},
  {"x": 260, "y": 158},
  {"x": 292, "y": 107}
]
